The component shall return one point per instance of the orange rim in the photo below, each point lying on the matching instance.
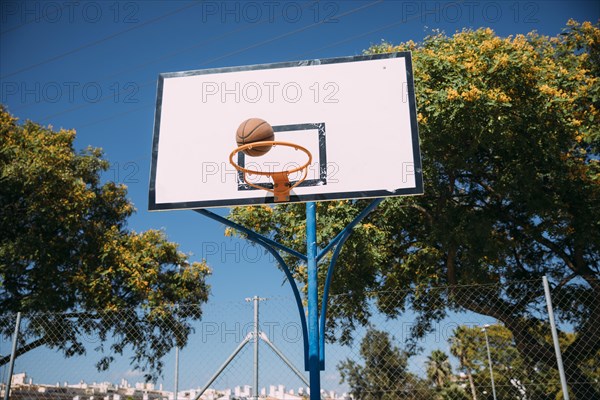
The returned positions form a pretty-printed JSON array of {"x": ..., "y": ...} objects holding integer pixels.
[
  {"x": 272, "y": 143},
  {"x": 271, "y": 174}
]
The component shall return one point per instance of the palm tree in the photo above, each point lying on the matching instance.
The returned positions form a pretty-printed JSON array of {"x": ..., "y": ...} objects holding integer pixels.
[
  {"x": 439, "y": 369},
  {"x": 462, "y": 348}
]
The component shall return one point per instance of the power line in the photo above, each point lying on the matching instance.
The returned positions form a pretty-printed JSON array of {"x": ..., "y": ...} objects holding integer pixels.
[
  {"x": 130, "y": 111},
  {"x": 383, "y": 28},
  {"x": 262, "y": 43},
  {"x": 200, "y": 44},
  {"x": 354, "y": 10},
  {"x": 172, "y": 54},
  {"x": 351, "y": 38},
  {"x": 97, "y": 42},
  {"x": 59, "y": 8}
]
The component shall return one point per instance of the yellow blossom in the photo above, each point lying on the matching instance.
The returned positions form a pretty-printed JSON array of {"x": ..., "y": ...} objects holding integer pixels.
[
  {"x": 501, "y": 60},
  {"x": 472, "y": 94},
  {"x": 452, "y": 94}
]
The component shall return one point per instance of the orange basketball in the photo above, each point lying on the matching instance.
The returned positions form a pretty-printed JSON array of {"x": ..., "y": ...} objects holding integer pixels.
[{"x": 255, "y": 130}]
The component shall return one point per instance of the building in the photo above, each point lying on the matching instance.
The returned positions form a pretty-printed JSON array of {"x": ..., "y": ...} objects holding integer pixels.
[{"x": 23, "y": 388}]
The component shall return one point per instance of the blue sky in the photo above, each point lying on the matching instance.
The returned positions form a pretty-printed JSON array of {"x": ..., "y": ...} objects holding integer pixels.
[{"x": 93, "y": 66}]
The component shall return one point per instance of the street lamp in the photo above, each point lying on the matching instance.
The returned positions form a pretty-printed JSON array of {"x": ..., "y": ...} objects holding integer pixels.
[{"x": 487, "y": 345}]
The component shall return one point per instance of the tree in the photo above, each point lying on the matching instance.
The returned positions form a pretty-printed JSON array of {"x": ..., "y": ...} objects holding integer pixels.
[
  {"x": 71, "y": 266},
  {"x": 453, "y": 392},
  {"x": 383, "y": 375},
  {"x": 513, "y": 377},
  {"x": 439, "y": 370},
  {"x": 510, "y": 146},
  {"x": 463, "y": 346}
]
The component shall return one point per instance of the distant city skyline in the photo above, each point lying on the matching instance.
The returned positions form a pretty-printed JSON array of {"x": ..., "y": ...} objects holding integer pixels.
[{"x": 21, "y": 382}]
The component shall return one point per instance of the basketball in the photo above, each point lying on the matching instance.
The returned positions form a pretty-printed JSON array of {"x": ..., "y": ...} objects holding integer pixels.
[{"x": 255, "y": 130}]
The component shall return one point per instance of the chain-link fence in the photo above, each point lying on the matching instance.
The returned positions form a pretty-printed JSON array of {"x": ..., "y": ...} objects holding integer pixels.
[{"x": 420, "y": 343}]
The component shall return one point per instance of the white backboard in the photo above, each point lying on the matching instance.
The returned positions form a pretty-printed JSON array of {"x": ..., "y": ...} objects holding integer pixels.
[{"x": 356, "y": 115}]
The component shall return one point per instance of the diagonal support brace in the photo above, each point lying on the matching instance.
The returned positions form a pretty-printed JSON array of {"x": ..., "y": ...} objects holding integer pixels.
[
  {"x": 271, "y": 246},
  {"x": 336, "y": 242},
  {"x": 251, "y": 234}
]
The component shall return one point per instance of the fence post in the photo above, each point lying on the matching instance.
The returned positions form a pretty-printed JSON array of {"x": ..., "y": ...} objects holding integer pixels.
[
  {"x": 13, "y": 355},
  {"x": 176, "y": 390},
  {"x": 561, "y": 368}
]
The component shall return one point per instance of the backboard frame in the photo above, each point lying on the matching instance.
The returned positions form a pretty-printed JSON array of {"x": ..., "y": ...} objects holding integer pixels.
[{"x": 418, "y": 178}]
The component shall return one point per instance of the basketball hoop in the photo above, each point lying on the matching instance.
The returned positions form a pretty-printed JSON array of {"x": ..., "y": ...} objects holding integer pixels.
[{"x": 281, "y": 183}]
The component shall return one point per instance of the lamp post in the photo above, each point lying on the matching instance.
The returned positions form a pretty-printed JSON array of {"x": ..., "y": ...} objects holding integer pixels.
[{"x": 487, "y": 345}]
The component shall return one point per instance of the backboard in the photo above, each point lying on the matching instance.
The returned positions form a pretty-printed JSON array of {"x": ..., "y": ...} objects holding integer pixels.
[{"x": 356, "y": 116}]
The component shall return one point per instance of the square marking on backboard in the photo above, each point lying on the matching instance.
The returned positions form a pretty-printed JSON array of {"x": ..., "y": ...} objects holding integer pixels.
[{"x": 317, "y": 171}]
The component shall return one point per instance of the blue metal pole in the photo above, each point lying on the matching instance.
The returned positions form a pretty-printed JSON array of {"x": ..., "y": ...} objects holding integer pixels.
[
  {"x": 313, "y": 302},
  {"x": 325, "y": 298},
  {"x": 336, "y": 243},
  {"x": 251, "y": 234}
]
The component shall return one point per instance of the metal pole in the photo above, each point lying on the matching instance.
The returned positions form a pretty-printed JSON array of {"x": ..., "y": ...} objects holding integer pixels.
[
  {"x": 336, "y": 243},
  {"x": 176, "y": 373},
  {"x": 559, "y": 361},
  {"x": 256, "y": 300},
  {"x": 251, "y": 234},
  {"x": 13, "y": 356},
  {"x": 487, "y": 345},
  {"x": 225, "y": 364},
  {"x": 284, "y": 358},
  {"x": 176, "y": 392},
  {"x": 313, "y": 302}
]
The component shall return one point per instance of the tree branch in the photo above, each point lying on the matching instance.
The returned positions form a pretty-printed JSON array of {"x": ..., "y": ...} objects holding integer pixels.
[
  {"x": 577, "y": 267},
  {"x": 424, "y": 212},
  {"x": 22, "y": 350}
]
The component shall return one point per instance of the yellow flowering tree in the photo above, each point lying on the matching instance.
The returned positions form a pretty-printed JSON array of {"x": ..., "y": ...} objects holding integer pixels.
[
  {"x": 511, "y": 148},
  {"x": 71, "y": 266}
]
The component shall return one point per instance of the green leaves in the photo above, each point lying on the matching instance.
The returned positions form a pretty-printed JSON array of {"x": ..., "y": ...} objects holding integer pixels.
[
  {"x": 439, "y": 370},
  {"x": 383, "y": 375},
  {"x": 510, "y": 148},
  {"x": 65, "y": 248}
]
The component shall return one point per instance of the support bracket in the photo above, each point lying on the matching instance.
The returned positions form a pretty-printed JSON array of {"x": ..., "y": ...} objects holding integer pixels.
[{"x": 274, "y": 247}]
